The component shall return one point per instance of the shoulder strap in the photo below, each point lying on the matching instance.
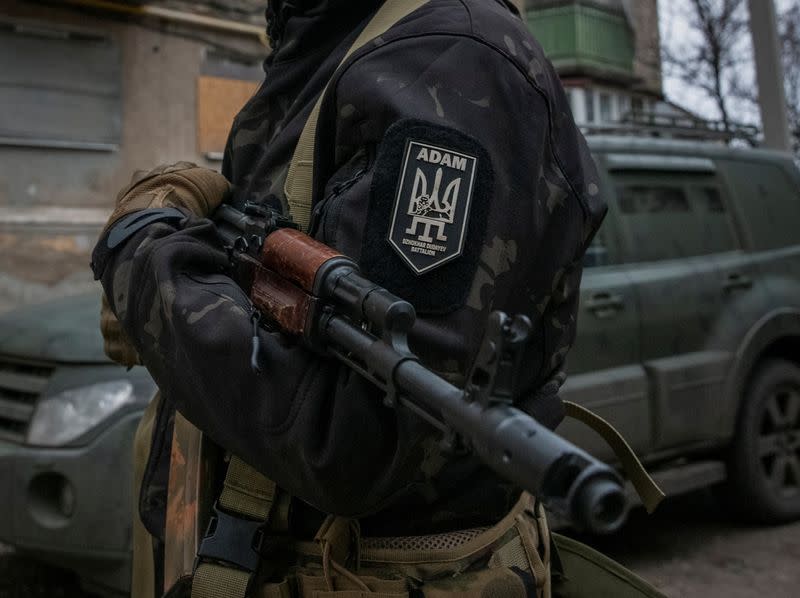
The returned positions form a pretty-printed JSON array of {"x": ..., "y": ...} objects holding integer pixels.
[
  {"x": 648, "y": 491},
  {"x": 300, "y": 178},
  {"x": 246, "y": 504},
  {"x": 247, "y": 495}
]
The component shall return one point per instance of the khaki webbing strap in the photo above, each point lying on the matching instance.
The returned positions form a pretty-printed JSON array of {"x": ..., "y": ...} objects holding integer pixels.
[
  {"x": 219, "y": 581},
  {"x": 248, "y": 494},
  {"x": 300, "y": 178},
  {"x": 649, "y": 492}
]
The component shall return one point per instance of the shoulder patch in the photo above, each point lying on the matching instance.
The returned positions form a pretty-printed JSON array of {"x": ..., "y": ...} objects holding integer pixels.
[
  {"x": 432, "y": 205},
  {"x": 428, "y": 212}
]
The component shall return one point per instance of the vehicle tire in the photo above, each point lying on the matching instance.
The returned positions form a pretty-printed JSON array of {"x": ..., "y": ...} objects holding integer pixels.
[{"x": 764, "y": 464}]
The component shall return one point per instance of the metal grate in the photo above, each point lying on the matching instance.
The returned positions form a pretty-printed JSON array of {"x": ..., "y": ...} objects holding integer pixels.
[
  {"x": 652, "y": 124},
  {"x": 21, "y": 384},
  {"x": 447, "y": 541}
]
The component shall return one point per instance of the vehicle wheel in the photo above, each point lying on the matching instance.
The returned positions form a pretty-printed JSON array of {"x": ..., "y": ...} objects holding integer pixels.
[{"x": 764, "y": 468}]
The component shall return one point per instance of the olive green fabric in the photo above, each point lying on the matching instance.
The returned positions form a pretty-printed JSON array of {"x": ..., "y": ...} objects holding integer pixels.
[
  {"x": 649, "y": 492},
  {"x": 588, "y": 574},
  {"x": 143, "y": 565},
  {"x": 508, "y": 560},
  {"x": 300, "y": 178},
  {"x": 248, "y": 494},
  {"x": 218, "y": 581}
]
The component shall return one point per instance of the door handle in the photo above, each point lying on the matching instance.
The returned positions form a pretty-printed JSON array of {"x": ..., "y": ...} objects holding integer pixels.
[
  {"x": 736, "y": 281},
  {"x": 605, "y": 305}
]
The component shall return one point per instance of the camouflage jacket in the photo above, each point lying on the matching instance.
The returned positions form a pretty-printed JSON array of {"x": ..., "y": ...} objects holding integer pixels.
[{"x": 449, "y": 167}]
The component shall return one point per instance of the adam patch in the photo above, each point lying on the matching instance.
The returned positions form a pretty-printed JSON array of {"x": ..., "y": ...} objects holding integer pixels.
[
  {"x": 428, "y": 213},
  {"x": 432, "y": 205}
]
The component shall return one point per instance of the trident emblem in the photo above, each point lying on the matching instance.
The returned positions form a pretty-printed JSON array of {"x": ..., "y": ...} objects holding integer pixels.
[{"x": 429, "y": 211}]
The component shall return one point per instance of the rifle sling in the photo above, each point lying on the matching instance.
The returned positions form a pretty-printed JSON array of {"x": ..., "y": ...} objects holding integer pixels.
[
  {"x": 648, "y": 491},
  {"x": 299, "y": 187},
  {"x": 246, "y": 495}
]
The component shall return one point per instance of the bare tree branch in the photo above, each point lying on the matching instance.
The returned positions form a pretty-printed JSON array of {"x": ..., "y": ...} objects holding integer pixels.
[
  {"x": 790, "y": 40},
  {"x": 710, "y": 58}
]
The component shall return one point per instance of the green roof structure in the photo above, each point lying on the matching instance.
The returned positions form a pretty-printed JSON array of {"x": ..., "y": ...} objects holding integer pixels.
[{"x": 586, "y": 37}]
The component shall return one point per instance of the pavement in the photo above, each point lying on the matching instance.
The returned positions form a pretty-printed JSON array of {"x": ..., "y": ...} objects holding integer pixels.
[{"x": 693, "y": 548}]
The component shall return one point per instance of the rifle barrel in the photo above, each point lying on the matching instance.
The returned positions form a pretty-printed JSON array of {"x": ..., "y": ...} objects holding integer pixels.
[{"x": 571, "y": 482}]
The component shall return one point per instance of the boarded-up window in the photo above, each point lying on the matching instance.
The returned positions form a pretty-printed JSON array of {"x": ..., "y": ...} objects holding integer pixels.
[
  {"x": 58, "y": 87},
  {"x": 222, "y": 89}
]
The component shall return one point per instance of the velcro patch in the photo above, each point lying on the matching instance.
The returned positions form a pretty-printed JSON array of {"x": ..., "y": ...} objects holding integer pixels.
[
  {"x": 432, "y": 205},
  {"x": 429, "y": 208}
]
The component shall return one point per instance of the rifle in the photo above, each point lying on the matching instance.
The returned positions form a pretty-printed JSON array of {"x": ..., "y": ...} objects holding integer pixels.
[{"x": 308, "y": 290}]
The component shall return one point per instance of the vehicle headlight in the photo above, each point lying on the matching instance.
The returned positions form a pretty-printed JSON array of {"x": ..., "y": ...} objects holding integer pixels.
[{"x": 63, "y": 417}]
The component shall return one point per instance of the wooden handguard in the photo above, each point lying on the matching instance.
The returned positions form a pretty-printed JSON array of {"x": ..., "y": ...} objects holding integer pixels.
[
  {"x": 285, "y": 284},
  {"x": 296, "y": 256}
]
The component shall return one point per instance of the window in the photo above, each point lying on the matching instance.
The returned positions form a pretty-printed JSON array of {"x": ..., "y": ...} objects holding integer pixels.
[
  {"x": 589, "y": 94},
  {"x": 223, "y": 88},
  {"x": 597, "y": 253},
  {"x": 768, "y": 200},
  {"x": 637, "y": 106},
  {"x": 606, "y": 115},
  {"x": 624, "y": 105},
  {"x": 571, "y": 99},
  {"x": 672, "y": 220},
  {"x": 712, "y": 200},
  {"x": 650, "y": 200},
  {"x": 717, "y": 227},
  {"x": 60, "y": 88}
]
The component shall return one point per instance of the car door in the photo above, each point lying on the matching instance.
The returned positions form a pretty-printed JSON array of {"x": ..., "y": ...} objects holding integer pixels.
[
  {"x": 604, "y": 369},
  {"x": 673, "y": 228}
]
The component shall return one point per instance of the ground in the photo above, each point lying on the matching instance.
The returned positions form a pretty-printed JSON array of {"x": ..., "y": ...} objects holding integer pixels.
[{"x": 690, "y": 548}]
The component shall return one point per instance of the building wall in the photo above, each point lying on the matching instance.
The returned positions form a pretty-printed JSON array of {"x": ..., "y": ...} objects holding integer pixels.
[
  {"x": 53, "y": 201},
  {"x": 647, "y": 63},
  {"x": 159, "y": 73},
  {"x": 643, "y": 17}
]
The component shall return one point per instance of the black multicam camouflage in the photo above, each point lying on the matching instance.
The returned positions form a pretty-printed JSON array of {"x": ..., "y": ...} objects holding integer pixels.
[{"x": 472, "y": 72}]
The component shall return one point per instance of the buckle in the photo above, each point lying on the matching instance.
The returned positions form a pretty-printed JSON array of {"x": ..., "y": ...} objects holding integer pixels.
[{"x": 235, "y": 541}]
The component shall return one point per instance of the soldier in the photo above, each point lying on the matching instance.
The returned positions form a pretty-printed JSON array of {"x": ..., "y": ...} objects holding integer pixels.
[{"x": 447, "y": 164}]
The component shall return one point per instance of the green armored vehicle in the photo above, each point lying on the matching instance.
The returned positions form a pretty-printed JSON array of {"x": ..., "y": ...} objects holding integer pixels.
[
  {"x": 688, "y": 341},
  {"x": 689, "y": 330}
]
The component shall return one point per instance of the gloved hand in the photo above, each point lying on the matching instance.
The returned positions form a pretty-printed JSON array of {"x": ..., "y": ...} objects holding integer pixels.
[{"x": 182, "y": 185}]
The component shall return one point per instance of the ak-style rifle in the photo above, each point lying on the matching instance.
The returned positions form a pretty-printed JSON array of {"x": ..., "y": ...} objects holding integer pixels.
[{"x": 308, "y": 290}]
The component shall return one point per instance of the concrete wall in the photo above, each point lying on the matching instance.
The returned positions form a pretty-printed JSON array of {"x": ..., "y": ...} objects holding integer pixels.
[
  {"x": 159, "y": 73},
  {"x": 647, "y": 63},
  {"x": 52, "y": 202}
]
